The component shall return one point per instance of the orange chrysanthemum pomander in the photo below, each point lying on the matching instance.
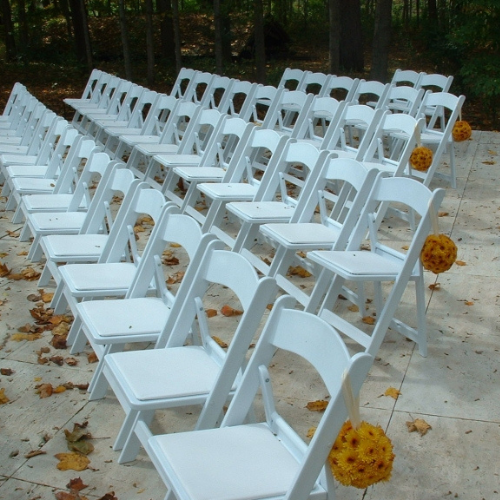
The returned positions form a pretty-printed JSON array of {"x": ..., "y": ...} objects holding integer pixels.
[
  {"x": 421, "y": 158},
  {"x": 461, "y": 131},
  {"x": 438, "y": 253},
  {"x": 361, "y": 456}
]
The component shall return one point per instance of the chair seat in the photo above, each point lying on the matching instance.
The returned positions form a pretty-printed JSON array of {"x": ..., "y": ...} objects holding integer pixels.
[
  {"x": 26, "y": 170},
  {"x": 241, "y": 462},
  {"x": 15, "y": 150},
  {"x": 262, "y": 211},
  {"x": 231, "y": 191},
  {"x": 303, "y": 235},
  {"x": 124, "y": 318},
  {"x": 156, "y": 149},
  {"x": 15, "y": 159},
  {"x": 165, "y": 372},
  {"x": 33, "y": 184},
  {"x": 57, "y": 221},
  {"x": 53, "y": 202},
  {"x": 109, "y": 277},
  {"x": 138, "y": 139},
  {"x": 182, "y": 159},
  {"x": 116, "y": 129},
  {"x": 86, "y": 246},
  {"x": 203, "y": 174},
  {"x": 357, "y": 264}
]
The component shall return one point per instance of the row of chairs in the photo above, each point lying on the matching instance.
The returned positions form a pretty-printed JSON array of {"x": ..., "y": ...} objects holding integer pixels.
[{"x": 267, "y": 459}]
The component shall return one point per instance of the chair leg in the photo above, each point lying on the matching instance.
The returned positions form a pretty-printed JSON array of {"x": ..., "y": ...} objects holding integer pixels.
[
  {"x": 18, "y": 216},
  {"x": 421, "y": 317},
  {"x": 59, "y": 302},
  {"x": 25, "y": 233},
  {"x": 133, "y": 443},
  {"x": 35, "y": 252},
  {"x": 76, "y": 337}
]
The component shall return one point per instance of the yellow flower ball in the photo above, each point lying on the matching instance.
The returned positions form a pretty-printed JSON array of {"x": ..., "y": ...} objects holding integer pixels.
[
  {"x": 438, "y": 253},
  {"x": 461, "y": 131},
  {"x": 421, "y": 158},
  {"x": 361, "y": 457}
]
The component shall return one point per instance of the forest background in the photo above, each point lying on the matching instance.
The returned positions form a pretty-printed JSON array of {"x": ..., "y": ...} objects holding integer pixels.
[{"x": 51, "y": 45}]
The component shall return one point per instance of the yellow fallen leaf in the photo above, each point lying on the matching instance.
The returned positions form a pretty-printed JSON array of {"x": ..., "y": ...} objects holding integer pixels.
[
  {"x": 460, "y": 263},
  {"x": 392, "y": 392},
  {"x": 319, "y": 405},
  {"x": 72, "y": 461},
  {"x": 353, "y": 308},
  {"x": 92, "y": 357},
  {"x": 220, "y": 342},
  {"x": 419, "y": 424},
  {"x": 299, "y": 271},
  {"x": 17, "y": 337},
  {"x": 469, "y": 303},
  {"x": 3, "y": 398},
  {"x": 4, "y": 270},
  {"x": 211, "y": 313},
  {"x": 443, "y": 214},
  {"x": 59, "y": 389},
  {"x": 310, "y": 432},
  {"x": 489, "y": 162},
  {"x": 229, "y": 311},
  {"x": 175, "y": 245},
  {"x": 369, "y": 320},
  {"x": 435, "y": 286},
  {"x": 45, "y": 390}
]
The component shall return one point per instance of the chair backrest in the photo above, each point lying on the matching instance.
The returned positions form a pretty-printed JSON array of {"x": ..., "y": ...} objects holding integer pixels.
[
  {"x": 138, "y": 202},
  {"x": 200, "y": 88},
  {"x": 402, "y": 129},
  {"x": 92, "y": 84},
  {"x": 237, "y": 101},
  {"x": 371, "y": 92},
  {"x": 31, "y": 120},
  {"x": 407, "y": 76},
  {"x": 159, "y": 114},
  {"x": 340, "y": 87},
  {"x": 105, "y": 89},
  {"x": 436, "y": 82},
  {"x": 64, "y": 149},
  {"x": 404, "y": 99},
  {"x": 262, "y": 105},
  {"x": 324, "y": 112},
  {"x": 99, "y": 214},
  {"x": 18, "y": 90},
  {"x": 356, "y": 116},
  {"x": 40, "y": 127},
  {"x": 291, "y": 79},
  {"x": 178, "y": 121},
  {"x": 300, "y": 334},
  {"x": 51, "y": 140},
  {"x": 217, "y": 92},
  {"x": 313, "y": 83},
  {"x": 183, "y": 81}
]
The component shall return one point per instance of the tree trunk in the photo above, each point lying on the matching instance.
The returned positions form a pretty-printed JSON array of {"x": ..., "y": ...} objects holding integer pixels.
[
  {"x": 81, "y": 32},
  {"x": 260, "y": 47},
  {"x": 125, "y": 40},
  {"x": 177, "y": 35},
  {"x": 150, "y": 43},
  {"x": 23, "y": 24},
  {"x": 351, "y": 36},
  {"x": 10, "y": 41},
  {"x": 164, "y": 8},
  {"x": 334, "y": 35},
  {"x": 218, "y": 37},
  {"x": 381, "y": 40}
]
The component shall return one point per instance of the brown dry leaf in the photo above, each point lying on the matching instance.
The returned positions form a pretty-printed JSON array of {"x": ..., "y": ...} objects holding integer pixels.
[
  {"x": 175, "y": 278},
  {"x": 7, "y": 372},
  {"x": 17, "y": 337},
  {"x": 62, "y": 329},
  {"x": 4, "y": 270},
  {"x": 76, "y": 484},
  {"x": 72, "y": 461},
  {"x": 59, "y": 341},
  {"x": 443, "y": 214},
  {"x": 58, "y": 360},
  {"x": 489, "y": 162},
  {"x": 12, "y": 234},
  {"x": 369, "y": 320},
  {"x": 139, "y": 229},
  {"x": 64, "y": 495},
  {"x": 229, "y": 311},
  {"x": 353, "y": 308},
  {"x": 299, "y": 271},
  {"x": 310, "y": 432},
  {"x": 392, "y": 392},
  {"x": 34, "y": 453},
  {"x": 169, "y": 259},
  {"x": 3, "y": 398},
  {"x": 45, "y": 390},
  {"x": 70, "y": 361},
  {"x": 405, "y": 247},
  {"x": 269, "y": 307},
  {"x": 220, "y": 342},
  {"x": 319, "y": 405},
  {"x": 92, "y": 357},
  {"x": 460, "y": 263},
  {"x": 30, "y": 274},
  {"x": 469, "y": 303},
  {"x": 211, "y": 313},
  {"x": 175, "y": 245},
  {"x": 109, "y": 496},
  {"x": 420, "y": 425},
  {"x": 59, "y": 389},
  {"x": 22, "y": 252},
  {"x": 435, "y": 286}
]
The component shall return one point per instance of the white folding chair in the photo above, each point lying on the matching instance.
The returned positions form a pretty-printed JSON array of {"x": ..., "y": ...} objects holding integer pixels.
[
  {"x": 338, "y": 213},
  {"x": 404, "y": 99},
  {"x": 340, "y": 87},
  {"x": 238, "y": 100},
  {"x": 280, "y": 199},
  {"x": 241, "y": 182},
  {"x": 18, "y": 92},
  {"x": 372, "y": 93},
  {"x": 385, "y": 262},
  {"x": 185, "y": 374},
  {"x": 199, "y": 89},
  {"x": 313, "y": 82},
  {"x": 72, "y": 190},
  {"x": 289, "y": 112},
  {"x": 407, "y": 76},
  {"x": 435, "y": 83},
  {"x": 97, "y": 219},
  {"x": 227, "y": 143},
  {"x": 291, "y": 79},
  {"x": 91, "y": 87},
  {"x": 182, "y": 82},
  {"x": 267, "y": 459}
]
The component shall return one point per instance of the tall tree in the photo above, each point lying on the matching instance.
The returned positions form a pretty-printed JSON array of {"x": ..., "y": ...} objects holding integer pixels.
[
  {"x": 222, "y": 24},
  {"x": 334, "y": 35},
  {"x": 177, "y": 35},
  {"x": 10, "y": 41},
  {"x": 125, "y": 40},
  {"x": 351, "y": 36},
  {"x": 381, "y": 40},
  {"x": 164, "y": 9},
  {"x": 260, "y": 46},
  {"x": 150, "y": 43},
  {"x": 81, "y": 32}
]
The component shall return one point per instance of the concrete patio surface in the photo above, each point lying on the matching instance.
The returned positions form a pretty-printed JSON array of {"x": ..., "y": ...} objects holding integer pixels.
[{"x": 455, "y": 389}]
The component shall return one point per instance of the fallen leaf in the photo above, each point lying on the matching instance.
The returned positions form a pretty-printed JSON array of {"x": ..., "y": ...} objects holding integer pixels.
[
  {"x": 420, "y": 425},
  {"x": 64, "y": 495},
  {"x": 6, "y": 371},
  {"x": 443, "y": 214},
  {"x": 489, "y": 162},
  {"x": 3, "y": 398},
  {"x": 59, "y": 389},
  {"x": 405, "y": 247},
  {"x": 392, "y": 392},
  {"x": 229, "y": 311},
  {"x": 319, "y": 405},
  {"x": 4, "y": 270},
  {"x": 108, "y": 496},
  {"x": 460, "y": 263},
  {"x": 45, "y": 390},
  {"x": 72, "y": 461},
  {"x": 435, "y": 286},
  {"x": 469, "y": 303},
  {"x": 47, "y": 297},
  {"x": 369, "y": 320},
  {"x": 59, "y": 341},
  {"x": 175, "y": 278},
  {"x": 211, "y": 313},
  {"x": 18, "y": 337},
  {"x": 299, "y": 271},
  {"x": 76, "y": 484},
  {"x": 353, "y": 308},
  {"x": 71, "y": 361},
  {"x": 220, "y": 342},
  {"x": 34, "y": 453},
  {"x": 310, "y": 432},
  {"x": 92, "y": 357}
]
